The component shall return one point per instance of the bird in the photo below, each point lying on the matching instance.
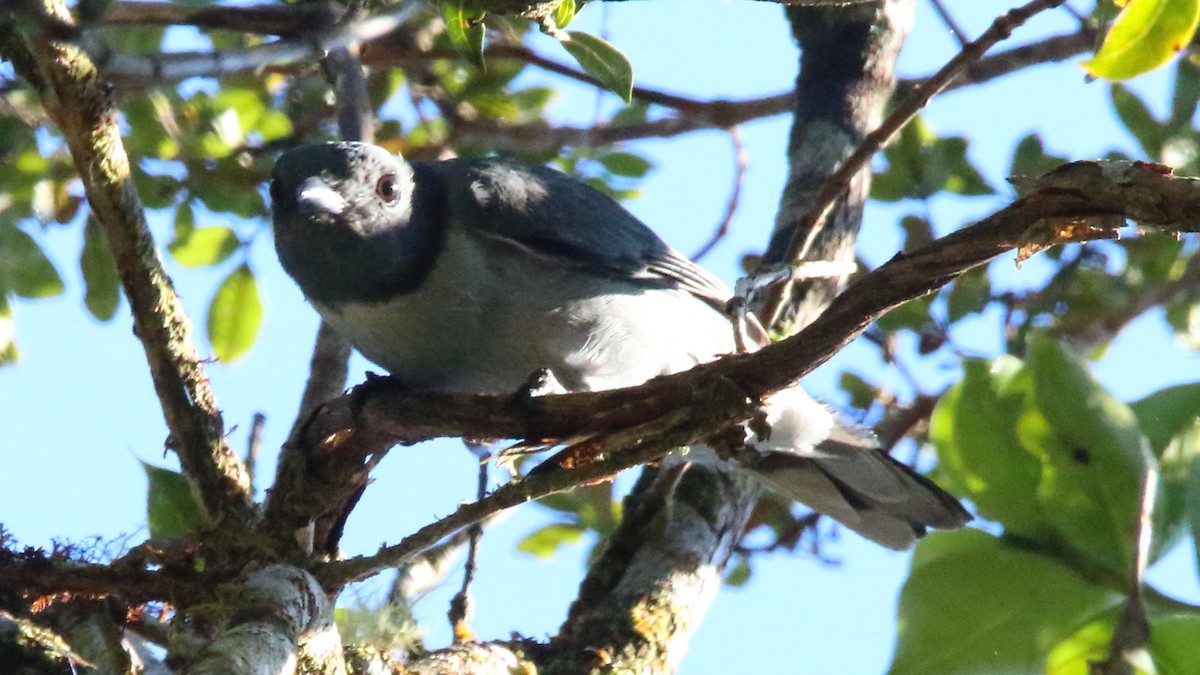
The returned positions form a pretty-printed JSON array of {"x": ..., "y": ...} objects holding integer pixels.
[{"x": 472, "y": 275}]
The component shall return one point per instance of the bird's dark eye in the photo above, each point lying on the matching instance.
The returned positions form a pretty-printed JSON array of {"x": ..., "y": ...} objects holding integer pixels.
[{"x": 387, "y": 188}]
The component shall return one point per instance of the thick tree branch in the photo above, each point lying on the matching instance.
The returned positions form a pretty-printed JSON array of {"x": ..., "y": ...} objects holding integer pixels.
[
  {"x": 37, "y": 575},
  {"x": 275, "y": 608},
  {"x": 809, "y": 228},
  {"x": 847, "y": 72},
  {"x": 79, "y": 102}
]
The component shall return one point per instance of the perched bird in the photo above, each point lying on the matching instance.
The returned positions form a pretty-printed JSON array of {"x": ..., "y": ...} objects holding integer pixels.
[{"x": 472, "y": 275}]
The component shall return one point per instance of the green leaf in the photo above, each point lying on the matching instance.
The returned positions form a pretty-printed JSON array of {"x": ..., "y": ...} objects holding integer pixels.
[
  {"x": 1094, "y": 456},
  {"x": 1184, "y": 318},
  {"x": 100, "y": 278},
  {"x": 544, "y": 542},
  {"x": 950, "y": 155},
  {"x": 185, "y": 220},
  {"x": 1168, "y": 418},
  {"x": 626, "y": 164},
  {"x": 1138, "y": 119},
  {"x": 24, "y": 268},
  {"x": 981, "y": 456},
  {"x": 981, "y": 606},
  {"x": 912, "y": 315},
  {"x": 8, "y": 333},
  {"x": 602, "y": 61},
  {"x": 204, "y": 247},
  {"x": 1173, "y": 645},
  {"x": 970, "y": 294},
  {"x": 1167, "y": 413},
  {"x": 1185, "y": 95},
  {"x": 918, "y": 232},
  {"x": 1193, "y": 508},
  {"x": 564, "y": 14},
  {"x": 862, "y": 394},
  {"x": 1031, "y": 159},
  {"x": 1089, "y": 644},
  {"x": 920, "y": 164},
  {"x": 634, "y": 113},
  {"x": 172, "y": 507},
  {"x": 235, "y": 315},
  {"x": 740, "y": 574},
  {"x": 465, "y": 29},
  {"x": 1146, "y": 34}
]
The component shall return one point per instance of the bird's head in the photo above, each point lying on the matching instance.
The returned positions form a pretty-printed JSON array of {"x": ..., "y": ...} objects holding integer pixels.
[
  {"x": 342, "y": 215},
  {"x": 356, "y": 186}
]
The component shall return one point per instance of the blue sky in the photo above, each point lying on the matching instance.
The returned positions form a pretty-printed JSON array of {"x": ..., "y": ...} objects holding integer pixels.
[{"x": 78, "y": 411}]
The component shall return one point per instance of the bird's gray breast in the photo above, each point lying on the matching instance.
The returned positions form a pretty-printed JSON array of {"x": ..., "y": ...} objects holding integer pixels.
[{"x": 492, "y": 312}]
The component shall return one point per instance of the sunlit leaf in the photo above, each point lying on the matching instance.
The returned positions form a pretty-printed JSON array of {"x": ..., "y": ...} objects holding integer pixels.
[
  {"x": 545, "y": 541},
  {"x": 564, "y": 14},
  {"x": 235, "y": 315},
  {"x": 981, "y": 457},
  {"x": 8, "y": 333},
  {"x": 205, "y": 246},
  {"x": 1094, "y": 453},
  {"x": 1146, "y": 34},
  {"x": 100, "y": 278},
  {"x": 1074, "y": 655},
  {"x": 984, "y": 625},
  {"x": 602, "y": 61},
  {"x": 172, "y": 507}
]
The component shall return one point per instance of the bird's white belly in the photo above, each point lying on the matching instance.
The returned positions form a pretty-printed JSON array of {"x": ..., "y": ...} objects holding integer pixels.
[{"x": 481, "y": 325}]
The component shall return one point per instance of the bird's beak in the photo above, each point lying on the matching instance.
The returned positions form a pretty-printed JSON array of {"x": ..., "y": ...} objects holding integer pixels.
[{"x": 317, "y": 197}]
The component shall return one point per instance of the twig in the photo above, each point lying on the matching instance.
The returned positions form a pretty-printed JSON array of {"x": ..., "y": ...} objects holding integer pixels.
[
  {"x": 253, "y": 444},
  {"x": 638, "y": 444},
  {"x": 810, "y": 225},
  {"x": 740, "y": 163},
  {"x": 80, "y": 104},
  {"x": 461, "y": 605},
  {"x": 172, "y": 68},
  {"x": 262, "y": 19},
  {"x": 951, "y": 24},
  {"x": 721, "y": 114}
]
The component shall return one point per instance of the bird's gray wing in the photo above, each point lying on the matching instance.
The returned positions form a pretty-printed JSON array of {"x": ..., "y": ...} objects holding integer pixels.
[{"x": 553, "y": 214}]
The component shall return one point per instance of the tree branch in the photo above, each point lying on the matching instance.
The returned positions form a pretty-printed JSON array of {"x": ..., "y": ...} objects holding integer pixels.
[
  {"x": 679, "y": 409},
  {"x": 809, "y": 228},
  {"x": 276, "y": 607},
  {"x": 80, "y": 103}
]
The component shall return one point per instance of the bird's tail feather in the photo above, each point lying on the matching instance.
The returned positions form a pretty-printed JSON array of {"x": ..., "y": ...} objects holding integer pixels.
[{"x": 864, "y": 489}]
